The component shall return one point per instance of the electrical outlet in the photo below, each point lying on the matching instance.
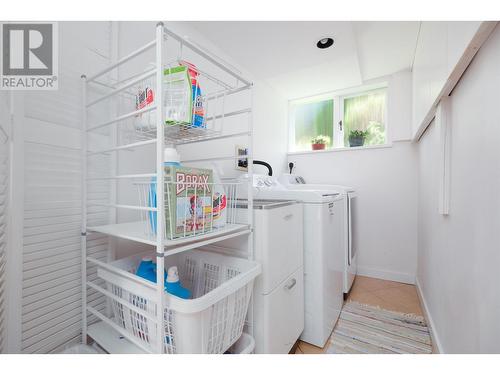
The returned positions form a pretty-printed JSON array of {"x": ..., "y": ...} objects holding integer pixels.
[{"x": 241, "y": 163}]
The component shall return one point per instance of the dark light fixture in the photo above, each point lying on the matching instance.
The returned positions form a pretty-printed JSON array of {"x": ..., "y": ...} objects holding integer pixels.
[{"x": 324, "y": 43}]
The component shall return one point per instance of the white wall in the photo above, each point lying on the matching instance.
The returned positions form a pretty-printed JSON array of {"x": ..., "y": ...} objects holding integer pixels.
[
  {"x": 440, "y": 45},
  {"x": 386, "y": 181},
  {"x": 458, "y": 255},
  {"x": 270, "y": 127},
  {"x": 399, "y": 106}
]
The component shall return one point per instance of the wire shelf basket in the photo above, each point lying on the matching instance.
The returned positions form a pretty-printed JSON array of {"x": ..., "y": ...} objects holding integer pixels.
[
  {"x": 191, "y": 208},
  {"x": 194, "y": 103},
  {"x": 176, "y": 133}
]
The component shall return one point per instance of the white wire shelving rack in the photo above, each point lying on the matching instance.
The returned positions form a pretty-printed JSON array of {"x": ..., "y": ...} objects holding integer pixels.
[{"x": 101, "y": 327}]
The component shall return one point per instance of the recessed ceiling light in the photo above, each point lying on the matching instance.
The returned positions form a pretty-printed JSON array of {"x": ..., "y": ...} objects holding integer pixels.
[{"x": 324, "y": 43}]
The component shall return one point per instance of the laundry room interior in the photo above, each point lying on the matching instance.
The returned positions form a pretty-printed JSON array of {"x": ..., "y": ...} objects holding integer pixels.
[{"x": 300, "y": 187}]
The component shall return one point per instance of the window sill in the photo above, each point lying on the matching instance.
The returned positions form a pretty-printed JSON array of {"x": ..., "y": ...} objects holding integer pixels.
[{"x": 308, "y": 152}]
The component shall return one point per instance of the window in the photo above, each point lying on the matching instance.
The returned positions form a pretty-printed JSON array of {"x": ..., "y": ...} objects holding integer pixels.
[
  {"x": 366, "y": 113},
  {"x": 311, "y": 120},
  {"x": 356, "y": 119}
]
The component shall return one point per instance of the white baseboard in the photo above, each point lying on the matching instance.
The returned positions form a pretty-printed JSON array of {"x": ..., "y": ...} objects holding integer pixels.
[
  {"x": 386, "y": 275},
  {"x": 436, "y": 343}
]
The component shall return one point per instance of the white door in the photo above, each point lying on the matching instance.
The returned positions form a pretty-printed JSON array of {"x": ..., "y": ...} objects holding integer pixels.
[
  {"x": 4, "y": 200},
  {"x": 278, "y": 243},
  {"x": 280, "y": 316},
  {"x": 50, "y": 169}
]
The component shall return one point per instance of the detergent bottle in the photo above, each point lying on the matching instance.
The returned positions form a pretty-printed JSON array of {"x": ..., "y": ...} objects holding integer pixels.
[
  {"x": 170, "y": 157},
  {"x": 173, "y": 285},
  {"x": 147, "y": 269},
  {"x": 219, "y": 204},
  {"x": 144, "y": 97}
]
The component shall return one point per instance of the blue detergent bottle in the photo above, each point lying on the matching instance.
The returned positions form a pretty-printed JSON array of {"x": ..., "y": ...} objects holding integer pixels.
[
  {"x": 170, "y": 157},
  {"x": 147, "y": 270},
  {"x": 173, "y": 285}
]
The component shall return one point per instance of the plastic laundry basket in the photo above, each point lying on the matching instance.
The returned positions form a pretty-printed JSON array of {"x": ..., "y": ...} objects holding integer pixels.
[
  {"x": 209, "y": 323},
  {"x": 244, "y": 345}
]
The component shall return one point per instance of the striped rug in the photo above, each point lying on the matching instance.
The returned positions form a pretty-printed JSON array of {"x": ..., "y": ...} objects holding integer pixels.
[{"x": 371, "y": 330}]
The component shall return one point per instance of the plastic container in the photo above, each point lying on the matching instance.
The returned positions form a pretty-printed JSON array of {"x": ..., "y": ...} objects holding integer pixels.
[
  {"x": 219, "y": 201},
  {"x": 174, "y": 286},
  {"x": 147, "y": 269},
  {"x": 172, "y": 158},
  {"x": 211, "y": 322},
  {"x": 145, "y": 96}
]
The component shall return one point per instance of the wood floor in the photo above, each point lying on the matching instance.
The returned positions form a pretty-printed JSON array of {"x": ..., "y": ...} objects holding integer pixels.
[{"x": 389, "y": 295}]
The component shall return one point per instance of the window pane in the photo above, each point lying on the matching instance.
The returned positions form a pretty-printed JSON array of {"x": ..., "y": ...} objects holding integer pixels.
[
  {"x": 366, "y": 113},
  {"x": 311, "y": 120}
]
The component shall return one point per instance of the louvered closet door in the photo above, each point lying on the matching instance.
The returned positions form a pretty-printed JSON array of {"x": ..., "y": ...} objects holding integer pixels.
[
  {"x": 51, "y": 286},
  {"x": 4, "y": 190},
  {"x": 51, "y": 254},
  {"x": 4, "y": 180},
  {"x": 51, "y": 250}
]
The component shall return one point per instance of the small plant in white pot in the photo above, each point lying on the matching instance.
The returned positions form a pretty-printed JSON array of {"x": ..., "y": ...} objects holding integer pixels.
[{"x": 319, "y": 142}]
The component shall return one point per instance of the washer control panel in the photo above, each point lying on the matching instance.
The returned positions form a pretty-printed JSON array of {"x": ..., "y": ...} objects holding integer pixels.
[
  {"x": 292, "y": 179},
  {"x": 266, "y": 182}
]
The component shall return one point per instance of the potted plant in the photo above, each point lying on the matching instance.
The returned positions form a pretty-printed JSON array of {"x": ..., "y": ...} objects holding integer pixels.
[
  {"x": 319, "y": 142},
  {"x": 357, "y": 137}
]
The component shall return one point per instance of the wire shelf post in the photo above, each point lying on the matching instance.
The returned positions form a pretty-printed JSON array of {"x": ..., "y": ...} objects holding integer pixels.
[
  {"x": 83, "y": 237},
  {"x": 160, "y": 186},
  {"x": 250, "y": 240}
]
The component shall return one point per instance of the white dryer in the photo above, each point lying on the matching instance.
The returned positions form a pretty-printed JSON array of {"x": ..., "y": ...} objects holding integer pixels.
[
  {"x": 295, "y": 182},
  {"x": 323, "y": 254}
]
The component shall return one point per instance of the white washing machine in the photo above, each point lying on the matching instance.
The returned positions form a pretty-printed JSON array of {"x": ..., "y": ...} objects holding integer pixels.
[
  {"x": 295, "y": 182},
  {"x": 323, "y": 254},
  {"x": 278, "y": 309}
]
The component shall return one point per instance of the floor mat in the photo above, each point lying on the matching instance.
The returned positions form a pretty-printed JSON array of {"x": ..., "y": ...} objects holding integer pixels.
[{"x": 371, "y": 330}]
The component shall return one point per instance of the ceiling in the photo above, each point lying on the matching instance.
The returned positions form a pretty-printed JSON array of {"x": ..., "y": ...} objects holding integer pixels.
[{"x": 285, "y": 53}]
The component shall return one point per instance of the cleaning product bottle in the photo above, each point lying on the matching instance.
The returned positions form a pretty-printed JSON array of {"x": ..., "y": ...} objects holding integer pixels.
[
  {"x": 147, "y": 270},
  {"x": 145, "y": 97},
  {"x": 170, "y": 157},
  {"x": 219, "y": 204},
  {"x": 173, "y": 285}
]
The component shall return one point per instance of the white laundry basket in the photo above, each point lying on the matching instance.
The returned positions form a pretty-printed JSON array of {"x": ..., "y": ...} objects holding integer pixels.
[
  {"x": 209, "y": 323},
  {"x": 244, "y": 345}
]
